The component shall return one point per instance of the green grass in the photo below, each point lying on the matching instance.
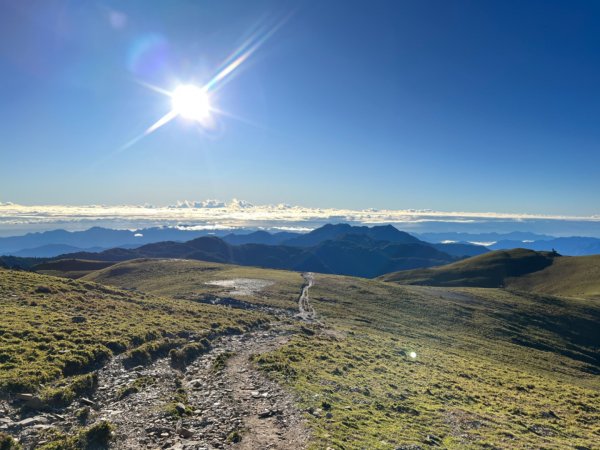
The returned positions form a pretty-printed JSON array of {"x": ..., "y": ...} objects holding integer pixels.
[
  {"x": 187, "y": 279},
  {"x": 54, "y": 329},
  {"x": 94, "y": 437},
  {"x": 518, "y": 269},
  {"x": 480, "y": 378},
  {"x": 488, "y": 270},
  {"x": 574, "y": 276},
  {"x": 494, "y": 369},
  {"x": 70, "y": 268}
]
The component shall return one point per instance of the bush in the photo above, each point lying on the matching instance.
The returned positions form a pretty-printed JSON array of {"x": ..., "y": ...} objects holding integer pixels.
[
  {"x": 86, "y": 360},
  {"x": 64, "y": 396},
  {"x": 93, "y": 438},
  {"x": 145, "y": 354},
  {"x": 97, "y": 435},
  {"x": 182, "y": 357},
  {"x": 8, "y": 443}
]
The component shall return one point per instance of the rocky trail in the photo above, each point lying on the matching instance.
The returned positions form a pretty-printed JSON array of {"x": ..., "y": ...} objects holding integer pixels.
[
  {"x": 306, "y": 311},
  {"x": 219, "y": 401}
]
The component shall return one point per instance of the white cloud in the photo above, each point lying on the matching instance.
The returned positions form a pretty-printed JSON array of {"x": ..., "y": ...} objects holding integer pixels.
[{"x": 214, "y": 214}]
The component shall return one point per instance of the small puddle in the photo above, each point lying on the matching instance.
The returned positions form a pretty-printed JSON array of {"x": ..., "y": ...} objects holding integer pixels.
[{"x": 242, "y": 286}]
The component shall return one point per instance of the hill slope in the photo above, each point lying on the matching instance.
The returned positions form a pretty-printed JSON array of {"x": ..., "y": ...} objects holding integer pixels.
[
  {"x": 488, "y": 270},
  {"x": 574, "y": 276},
  {"x": 490, "y": 367}
]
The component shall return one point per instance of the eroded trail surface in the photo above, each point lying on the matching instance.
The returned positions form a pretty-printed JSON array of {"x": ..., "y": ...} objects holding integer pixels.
[
  {"x": 228, "y": 401},
  {"x": 306, "y": 311},
  {"x": 220, "y": 401}
]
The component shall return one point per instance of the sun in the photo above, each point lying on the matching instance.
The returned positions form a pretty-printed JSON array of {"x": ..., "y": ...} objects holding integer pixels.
[{"x": 190, "y": 102}]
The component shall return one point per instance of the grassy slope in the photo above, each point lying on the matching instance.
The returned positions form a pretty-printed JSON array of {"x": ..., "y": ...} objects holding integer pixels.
[
  {"x": 70, "y": 268},
  {"x": 487, "y": 270},
  {"x": 493, "y": 367},
  {"x": 41, "y": 342},
  {"x": 187, "y": 279},
  {"x": 577, "y": 276}
]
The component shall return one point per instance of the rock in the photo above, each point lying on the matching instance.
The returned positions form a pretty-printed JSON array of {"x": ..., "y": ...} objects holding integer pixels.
[
  {"x": 78, "y": 319},
  {"x": 255, "y": 394},
  {"x": 184, "y": 432},
  {"x": 180, "y": 407},
  {"x": 31, "y": 401},
  {"x": 32, "y": 421},
  {"x": 269, "y": 413},
  {"x": 432, "y": 440},
  {"x": 87, "y": 401}
]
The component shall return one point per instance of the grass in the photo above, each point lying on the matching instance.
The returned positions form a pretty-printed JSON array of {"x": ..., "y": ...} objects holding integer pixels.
[
  {"x": 484, "y": 377},
  {"x": 488, "y": 270},
  {"x": 134, "y": 387},
  {"x": 518, "y": 269},
  {"x": 574, "y": 276},
  {"x": 94, "y": 437},
  {"x": 8, "y": 443},
  {"x": 493, "y": 368},
  {"x": 58, "y": 328},
  {"x": 221, "y": 361},
  {"x": 70, "y": 268},
  {"x": 185, "y": 279}
]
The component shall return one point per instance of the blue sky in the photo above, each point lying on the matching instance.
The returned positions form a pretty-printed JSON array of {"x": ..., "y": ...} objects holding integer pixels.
[{"x": 449, "y": 105}]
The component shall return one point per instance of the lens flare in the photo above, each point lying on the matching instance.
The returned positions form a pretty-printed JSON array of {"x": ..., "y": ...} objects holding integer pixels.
[{"x": 192, "y": 102}]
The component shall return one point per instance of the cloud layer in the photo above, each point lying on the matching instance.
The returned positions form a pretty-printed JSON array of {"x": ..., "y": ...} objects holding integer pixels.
[{"x": 214, "y": 214}]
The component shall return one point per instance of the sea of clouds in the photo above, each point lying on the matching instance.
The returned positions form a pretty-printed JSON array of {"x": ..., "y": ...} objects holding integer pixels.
[{"x": 236, "y": 214}]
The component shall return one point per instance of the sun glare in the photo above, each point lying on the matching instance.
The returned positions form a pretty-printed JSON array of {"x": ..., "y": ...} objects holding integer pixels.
[{"x": 190, "y": 102}]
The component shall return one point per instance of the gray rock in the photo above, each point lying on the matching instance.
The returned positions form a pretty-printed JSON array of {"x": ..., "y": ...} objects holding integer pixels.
[
  {"x": 184, "y": 432},
  {"x": 87, "y": 401},
  {"x": 30, "y": 421}
]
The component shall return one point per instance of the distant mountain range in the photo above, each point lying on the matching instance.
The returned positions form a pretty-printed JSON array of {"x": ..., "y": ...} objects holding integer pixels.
[
  {"x": 336, "y": 249},
  {"x": 570, "y": 246},
  {"x": 50, "y": 244}
]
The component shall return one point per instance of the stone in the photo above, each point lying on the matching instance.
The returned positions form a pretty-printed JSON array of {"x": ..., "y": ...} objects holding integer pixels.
[
  {"x": 87, "y": 401},
  {"x": 184, "y": 432},
  {"x": 30, "y": 421},
  {"x": 269, "y": 413},
  {"x": 31, "y": 401},
  {"x": 180, "y": 407}
]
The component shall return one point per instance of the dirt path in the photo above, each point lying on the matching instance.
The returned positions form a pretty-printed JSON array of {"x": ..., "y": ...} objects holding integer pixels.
[{"x": 220, "y": 401}]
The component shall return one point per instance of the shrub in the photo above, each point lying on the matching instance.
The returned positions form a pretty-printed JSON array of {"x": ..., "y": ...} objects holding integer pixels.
[
  {"x": 182, "y": 357},
  {"x": 8, "y": 443},
  {"x": 144, "y": 354}
]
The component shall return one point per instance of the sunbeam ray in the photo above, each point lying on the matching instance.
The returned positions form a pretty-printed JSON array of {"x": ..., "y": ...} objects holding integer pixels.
[
  {"x": 151, "y": 129},
  {"x": 185, "y": 105}
]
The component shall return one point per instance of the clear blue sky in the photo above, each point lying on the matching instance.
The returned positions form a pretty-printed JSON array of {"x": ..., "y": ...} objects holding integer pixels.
[{"x": 450, "y": 105}]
